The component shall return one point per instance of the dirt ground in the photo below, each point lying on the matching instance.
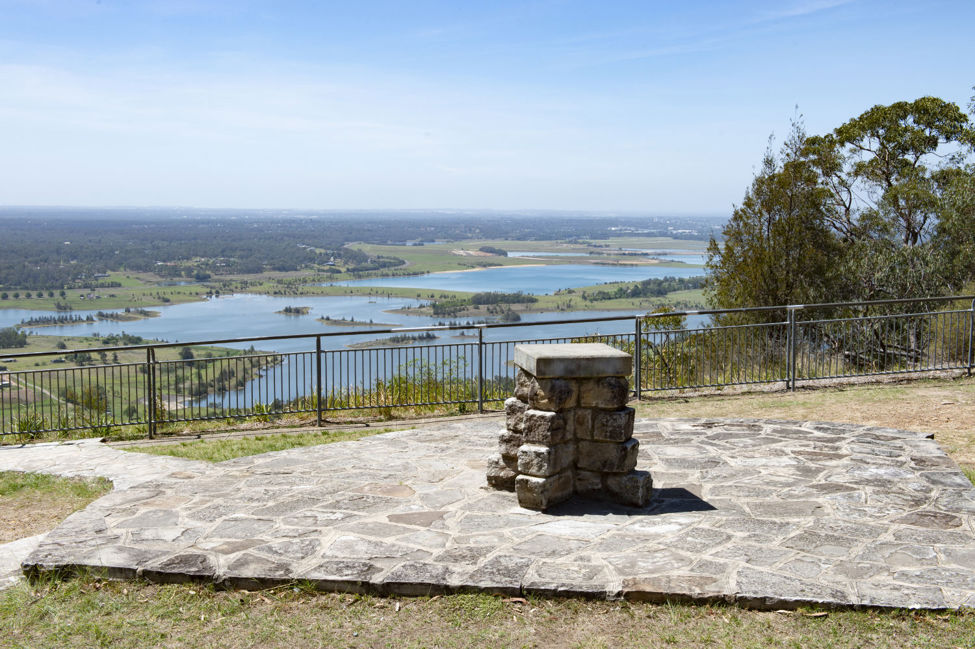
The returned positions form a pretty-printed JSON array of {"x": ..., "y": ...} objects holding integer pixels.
[{"x": 43, "y": 503}]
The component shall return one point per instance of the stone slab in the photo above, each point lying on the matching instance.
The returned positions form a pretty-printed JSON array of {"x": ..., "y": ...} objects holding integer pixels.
[
  {"x": 766, "y": 514},
  {"x": 573, "y": 361}
]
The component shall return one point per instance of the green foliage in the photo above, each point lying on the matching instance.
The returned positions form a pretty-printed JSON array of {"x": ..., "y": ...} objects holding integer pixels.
[
  {"x": 654, "y": 287},
  {"x": 123, "y": 339},
  {"x": 881, "y": 207},
  {"x": 29, "y": 425},
  {"x": 955, "y": 234},
  {"x": 778, "y": 248},
  {"x": 10, "y": 337},
  {"x": 453, "y": 306},
  {"x": 491, "y": 250},
  {"x": 262, "y": 411},
  {"x": 495, "y": 297},
  {"x": 90, "y": 397}
]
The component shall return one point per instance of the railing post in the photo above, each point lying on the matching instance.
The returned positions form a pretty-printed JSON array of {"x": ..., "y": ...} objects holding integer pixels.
[
  {"x": 318, "y": 379},
  {"x": 638, "y": 356},
  {"x": 971, "y": 337},
  {"x": 151, "y": 390},
  {"x": 791, "y": 357},
  {"x": 480, "y": 369}
]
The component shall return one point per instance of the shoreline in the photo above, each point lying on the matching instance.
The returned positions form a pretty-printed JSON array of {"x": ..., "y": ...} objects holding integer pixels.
[
  {"x": 122, "y": 317},
  {"x": 339, "y": 322}
]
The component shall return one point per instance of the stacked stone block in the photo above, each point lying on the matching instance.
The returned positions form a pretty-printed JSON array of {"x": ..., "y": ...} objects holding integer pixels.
[{"x": 568, "y": 429}]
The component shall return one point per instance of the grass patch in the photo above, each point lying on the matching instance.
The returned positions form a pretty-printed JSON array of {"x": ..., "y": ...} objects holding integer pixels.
[
  {"x": 218, "y": 450},
  {"x": 32, "y": 503},
  {"x": 86, "y": 612}
]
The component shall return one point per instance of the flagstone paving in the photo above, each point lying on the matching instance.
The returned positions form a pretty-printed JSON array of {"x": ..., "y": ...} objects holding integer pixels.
[{"x": 765, "y": 513}]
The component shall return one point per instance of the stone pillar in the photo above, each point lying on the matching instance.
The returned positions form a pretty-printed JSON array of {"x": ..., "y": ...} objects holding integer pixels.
[{"x": 568, "y": 429}]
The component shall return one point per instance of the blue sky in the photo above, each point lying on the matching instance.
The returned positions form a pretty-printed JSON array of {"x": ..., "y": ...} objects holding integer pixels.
[{"x": 653, "y": 107}]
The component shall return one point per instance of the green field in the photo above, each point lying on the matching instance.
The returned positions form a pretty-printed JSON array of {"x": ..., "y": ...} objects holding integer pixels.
[
  {"x": 441, "y": 257},
  {"x": 137, "y": 291}
]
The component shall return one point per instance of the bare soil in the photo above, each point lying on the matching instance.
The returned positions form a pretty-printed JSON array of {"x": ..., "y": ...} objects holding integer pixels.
[{"x": 40, "y": 507}]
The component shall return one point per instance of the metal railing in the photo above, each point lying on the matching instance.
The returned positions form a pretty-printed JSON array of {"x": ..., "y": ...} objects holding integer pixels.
[{"x": 166, "y": 384}]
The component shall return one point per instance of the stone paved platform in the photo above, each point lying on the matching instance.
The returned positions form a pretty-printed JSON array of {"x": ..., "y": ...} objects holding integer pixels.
[{"x": 765, "y": 513}]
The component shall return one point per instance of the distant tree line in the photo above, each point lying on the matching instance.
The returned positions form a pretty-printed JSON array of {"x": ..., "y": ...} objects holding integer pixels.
[
  {"x": 47, "y": 320},
  {"x": 453, "y": 306},
  {"x": 655, "y": 287},
  {"x": 502, "y": 298},
  {"x": 52, "y": 248},
  {"x": 491, "y": 250}
]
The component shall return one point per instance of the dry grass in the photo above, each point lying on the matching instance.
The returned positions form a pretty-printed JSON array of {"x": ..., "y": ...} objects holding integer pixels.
[
  {"x": 86, "y": 612},
  {"x": 218, "y": 450},
  {"x": 32, "y": 503},
  {"x": 944, "y": 407}
]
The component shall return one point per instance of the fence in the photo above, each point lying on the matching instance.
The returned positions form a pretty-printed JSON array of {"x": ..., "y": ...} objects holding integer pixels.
[{"x": 166, "y": 384}]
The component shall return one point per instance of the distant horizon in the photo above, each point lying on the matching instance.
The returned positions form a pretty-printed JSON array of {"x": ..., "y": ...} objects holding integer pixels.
[{"x": 433, "y": 211}]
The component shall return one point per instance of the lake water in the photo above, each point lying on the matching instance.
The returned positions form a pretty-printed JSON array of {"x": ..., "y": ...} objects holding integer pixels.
[
  {"x": 684, "y": 257},
  {"x": 245, "y": 315},
  {"x": 535, "y": 280},
  {"x": 242, "y": 316},
  {"x": 527, "y": 253}
]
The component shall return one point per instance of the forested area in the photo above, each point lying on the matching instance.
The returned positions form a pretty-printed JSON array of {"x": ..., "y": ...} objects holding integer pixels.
[
  {"x": 881, "y": 207},
  {"x": 54, "y": 248}
]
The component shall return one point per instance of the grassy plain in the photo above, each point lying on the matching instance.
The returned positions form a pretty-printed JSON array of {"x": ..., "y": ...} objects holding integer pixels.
[
  {"x": 137, "y": 291},
  {"x": 464, "y": 255}
]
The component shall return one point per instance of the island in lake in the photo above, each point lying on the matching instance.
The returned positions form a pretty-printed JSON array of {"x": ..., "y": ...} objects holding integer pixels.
[
  {"x": 393, "y": 341},
  {"x": 352, "y": 322},
  {"x": 294, "y": 310}
]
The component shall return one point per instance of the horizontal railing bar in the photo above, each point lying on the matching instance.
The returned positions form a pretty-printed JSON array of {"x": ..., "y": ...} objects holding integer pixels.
[
  {"x": 818, "y": 305},
  {"x": 888, "y": 316}
]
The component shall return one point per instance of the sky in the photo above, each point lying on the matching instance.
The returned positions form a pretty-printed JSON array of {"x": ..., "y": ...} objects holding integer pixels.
[{"x": 640, "y": 106}]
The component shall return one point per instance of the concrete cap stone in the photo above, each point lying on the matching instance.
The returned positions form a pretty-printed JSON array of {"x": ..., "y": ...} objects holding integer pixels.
[{"x": 575, "y": 361}]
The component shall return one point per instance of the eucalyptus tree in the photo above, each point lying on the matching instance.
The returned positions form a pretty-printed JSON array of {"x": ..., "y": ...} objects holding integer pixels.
[
  {"x": 883, "y": 206},
  {"x": 777, "y": 247},
  {"x": 892, "y": 173}
]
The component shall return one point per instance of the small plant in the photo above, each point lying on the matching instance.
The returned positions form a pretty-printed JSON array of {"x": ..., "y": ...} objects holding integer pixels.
[
  {"x": 262, "y": 412},
  {"x": 28, "y": 427}
]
